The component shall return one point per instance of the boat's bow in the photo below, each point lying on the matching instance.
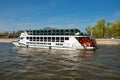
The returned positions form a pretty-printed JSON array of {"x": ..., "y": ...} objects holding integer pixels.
[{"x": 16, "y": 43}]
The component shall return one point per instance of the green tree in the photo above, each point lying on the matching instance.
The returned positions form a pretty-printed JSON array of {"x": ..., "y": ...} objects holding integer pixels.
[
  {"x": 105, "y": 29},
  {"x": 116, "y": 28},
  {"x": 99, "y": 29},
  {"x": 108, "y": 30}
]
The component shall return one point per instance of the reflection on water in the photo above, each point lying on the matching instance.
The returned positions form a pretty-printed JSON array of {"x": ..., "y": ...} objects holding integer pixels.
[{"x": 48, "y": 64}]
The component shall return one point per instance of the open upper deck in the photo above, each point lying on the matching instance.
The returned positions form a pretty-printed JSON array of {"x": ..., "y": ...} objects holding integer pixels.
[{"x": 54, "y": 32}]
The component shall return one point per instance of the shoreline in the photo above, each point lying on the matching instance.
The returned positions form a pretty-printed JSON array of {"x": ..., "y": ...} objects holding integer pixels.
[
  {"x": 108, "y": 41},
  {"x": 6, "y": 40},
  {"x": 99, "y": 41}
]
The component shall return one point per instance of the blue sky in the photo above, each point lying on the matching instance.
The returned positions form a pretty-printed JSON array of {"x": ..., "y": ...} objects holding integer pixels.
[{"x": 37, "y": 14}]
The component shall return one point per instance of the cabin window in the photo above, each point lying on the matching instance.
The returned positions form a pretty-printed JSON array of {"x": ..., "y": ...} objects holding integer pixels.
[
  {"x": 57, "y": 32},
  {"x": 49, "y": 39},
  {"x": 45, "y": 39},
  {"x": 45, "y": 32},
  {"x": 72, "y": 32},
  {"x": 41, "y": 33},
  {"x": 57, "y": 39},
  {"x": 34, "y": 32},
  {"x": 62, "y": 39},
  {"x": 53, "y": 39},
  {"x": 28, "y": 38},
  {"x": 34, "y": 38},
  {"x": 30, "y": 32},
  {"x": 41, "y": 38},
  {"x": 66, "y": 32},
  {"x": 38, "y": 38},
  {"x": 53, "y": 32},
  {"x": 38, "y": 32},
  {"x": 49, "y": 32},
  {"x": 49, "y": 43},
  {"x": 66, "y": 38},
  {"x": 62, "y": 32},
  {"x": 59, "y": 44}
]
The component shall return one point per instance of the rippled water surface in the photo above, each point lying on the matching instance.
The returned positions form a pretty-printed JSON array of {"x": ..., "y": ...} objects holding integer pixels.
[{"x": 44, "y": 64}]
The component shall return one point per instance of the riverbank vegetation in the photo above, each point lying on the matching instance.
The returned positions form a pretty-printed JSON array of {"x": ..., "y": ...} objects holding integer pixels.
[
  {"x": 104, "y": 29},
  {"x": 7, "y": 34}
]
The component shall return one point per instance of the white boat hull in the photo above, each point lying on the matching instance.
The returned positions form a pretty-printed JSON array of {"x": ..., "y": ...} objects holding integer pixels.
[{"x": 17, "y": 43}]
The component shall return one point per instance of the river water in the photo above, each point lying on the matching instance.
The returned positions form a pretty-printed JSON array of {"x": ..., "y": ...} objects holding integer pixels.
[{"x": 43, "y": 64}]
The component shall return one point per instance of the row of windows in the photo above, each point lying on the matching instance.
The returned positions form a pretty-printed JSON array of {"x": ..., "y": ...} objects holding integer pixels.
[
  {"x": 48, "y": 39},
  {"x": 57, "y": 33},
  {"x": 59, "y": 44},
  {"x": 53, "y": 32},
  {"x": 39, "y": 43}
]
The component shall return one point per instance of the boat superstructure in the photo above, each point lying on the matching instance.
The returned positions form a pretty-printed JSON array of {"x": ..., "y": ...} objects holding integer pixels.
[{"x": 56, "y": 39}]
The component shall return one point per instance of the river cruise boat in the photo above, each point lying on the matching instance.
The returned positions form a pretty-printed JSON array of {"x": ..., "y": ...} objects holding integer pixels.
[{"x": 72, "y": 39}]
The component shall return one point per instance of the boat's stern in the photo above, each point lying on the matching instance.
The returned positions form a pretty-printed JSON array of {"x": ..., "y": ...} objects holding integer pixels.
[{"x": 87, "y": 42}]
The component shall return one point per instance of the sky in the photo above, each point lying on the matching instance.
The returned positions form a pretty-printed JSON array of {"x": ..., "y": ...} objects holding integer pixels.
[{"x": 38, "y": 14}]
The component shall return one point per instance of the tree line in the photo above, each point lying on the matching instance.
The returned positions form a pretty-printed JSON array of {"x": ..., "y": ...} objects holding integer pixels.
[
  {"x": 104, "y": 29},
  {"x": 12, "y": 34}
]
